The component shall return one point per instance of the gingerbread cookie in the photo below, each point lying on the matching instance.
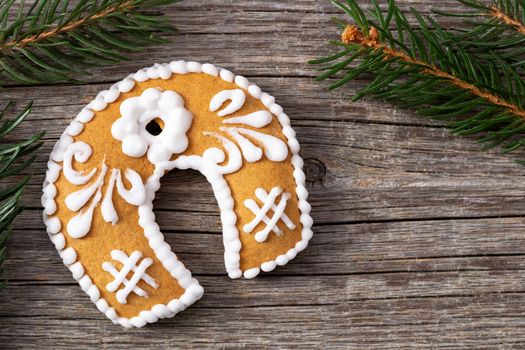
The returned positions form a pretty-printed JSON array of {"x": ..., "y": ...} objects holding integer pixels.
[{"x": 105, "y": 169}]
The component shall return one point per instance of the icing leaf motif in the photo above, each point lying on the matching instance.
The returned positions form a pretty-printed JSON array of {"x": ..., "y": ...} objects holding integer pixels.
[
  {"x": 107, "y": 208},
  {"x": 250, "y": 152},
  {"x": 137, "y": 194},
  {"x": 80, "y": 225},
  {"x": 76, "y": 200},
  {"x": 237, "y": 98},
  {"x": 275, "y": 149},
  {"x": 257, "y": 119}
]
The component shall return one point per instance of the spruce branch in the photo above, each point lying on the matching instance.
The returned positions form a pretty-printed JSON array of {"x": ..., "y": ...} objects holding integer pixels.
[
  {"x": 14, "y": 157},
  {"x": 52, "y": 40},
  {"x": 415, "y": 69},
  {"x": 352, "y": 35},
  {"x": 493, "y": 27},
  {"x": 509, "y": 16},
  {"x": 510, "y": 13}
]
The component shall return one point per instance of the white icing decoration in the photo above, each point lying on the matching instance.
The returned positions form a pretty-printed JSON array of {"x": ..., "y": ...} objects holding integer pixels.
[
  {"x": 107, "y": 208},
  {"x": 193, "y": 291},
  {"x": 75, "y": 128},
  {"x": 194, "y": 67},
  {"x": 126, "y": 85},
  {"x": 251, "y": 273},
  {"x": 237, "y": 98},
  {"x": 213, "y": 156},
  {"x": 76, "y": 200},
  {"x": 213, "y": 173},
  {"x": 250, "y": 152},
  {"x": 268, "y": 201},
  {"x": 274, "y": 149},
  {"x": 59, "y": 241},
  {"x": 80, "y": 224},
  {"x": 255, "y": 91},
  {"x": 210, "y": 69},
  {"x": 242, "y": 82},
  {"x": 226, "y": 75},
  {"x": 257, "y": 119},
  {"x": 137, "y": 112},
  {"x": 54, "y": 225},
  {"x": 81, "y": 151},
  {"x": 262, "y": 195},
  {"x": 68, "y": 255},
  {"x": 77, "y": 270},
  {"x": 268, "y": 266},
  {"x": 129, "y": 264},
  {"x": 85, "y": 115},
  {"x": 137, "y": 194},
  {"x": 179, "y": 67}
]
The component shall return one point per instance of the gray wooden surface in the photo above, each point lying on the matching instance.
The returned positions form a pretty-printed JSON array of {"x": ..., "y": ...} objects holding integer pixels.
[{"x": 419, "y": 237}]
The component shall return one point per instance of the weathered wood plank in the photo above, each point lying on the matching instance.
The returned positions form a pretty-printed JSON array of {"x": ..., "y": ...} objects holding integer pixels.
[
  {"x": 371, "y": 172},
  {"x": 213, "y": 7},
  {"x": 409, "y": 251},
  {"x": 287, "y": 290},
  {"x": 335, "y": 314},
  {"x": 447, "y": 322},
  {"x": 247, "y": 36},
  {"x": 427, "y": 246},
  {"x": 301, "y": 98}
]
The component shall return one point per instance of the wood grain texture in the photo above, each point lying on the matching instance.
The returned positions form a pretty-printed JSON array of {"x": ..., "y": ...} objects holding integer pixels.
[{"x": 419, "y": 237}]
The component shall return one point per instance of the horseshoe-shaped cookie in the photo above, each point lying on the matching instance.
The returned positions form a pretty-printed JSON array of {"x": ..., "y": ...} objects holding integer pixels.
[{"x": 105, "y": 169}]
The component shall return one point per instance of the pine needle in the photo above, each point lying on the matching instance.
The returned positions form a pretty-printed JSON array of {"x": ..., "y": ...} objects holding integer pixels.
[
  {"x": 54, "y": 41},
  {"x": 491, "y": 28},
  {"x": 14, "y": 157},
  {"x": 428, "y": 69}
]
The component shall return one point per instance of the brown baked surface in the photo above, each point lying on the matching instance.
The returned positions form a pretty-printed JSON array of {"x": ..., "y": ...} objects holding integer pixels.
[{"x": 93, "y": 249}]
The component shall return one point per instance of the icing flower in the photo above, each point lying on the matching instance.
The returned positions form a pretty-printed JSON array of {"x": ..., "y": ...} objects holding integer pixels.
[{"x": 166, "y": 108}]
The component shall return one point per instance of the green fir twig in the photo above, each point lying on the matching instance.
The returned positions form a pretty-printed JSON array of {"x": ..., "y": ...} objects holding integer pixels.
[
  {"x": 492, "y": 27},
  {"x": 53, "y": 41},
  {"x": 414, "y": 68},
  {"x": 14, "y": 157}
]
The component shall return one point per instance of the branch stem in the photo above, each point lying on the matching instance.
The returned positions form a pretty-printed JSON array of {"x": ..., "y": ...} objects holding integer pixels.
[
  {"x": 125, "y": 6},
  {"x": 505, "y": 18},
  {"x": 352, "y": 35}
]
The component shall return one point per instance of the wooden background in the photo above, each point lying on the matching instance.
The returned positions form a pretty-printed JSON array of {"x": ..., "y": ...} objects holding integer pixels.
[{"x": 419, "y": 237}]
